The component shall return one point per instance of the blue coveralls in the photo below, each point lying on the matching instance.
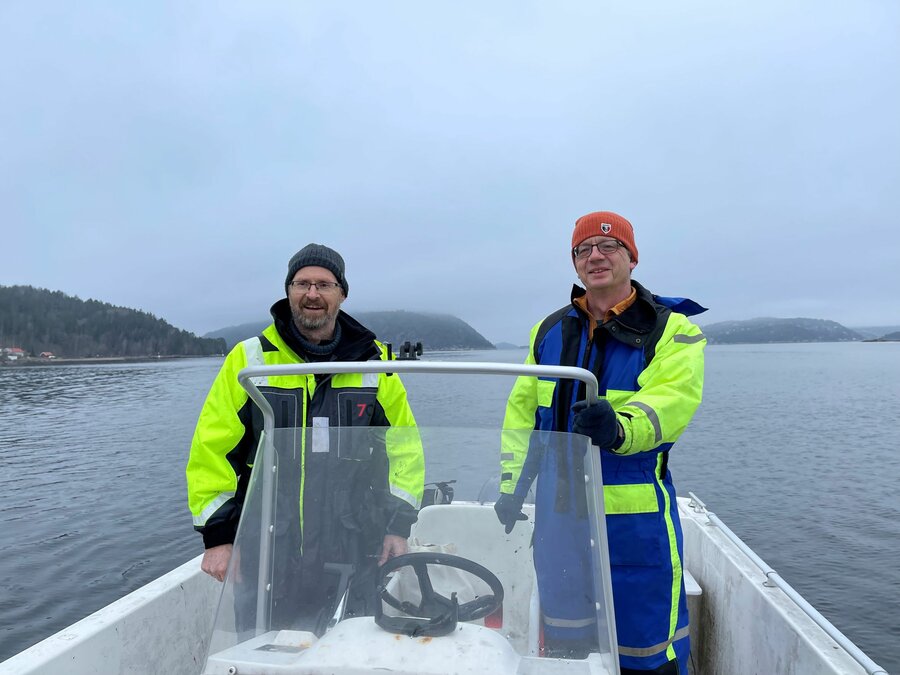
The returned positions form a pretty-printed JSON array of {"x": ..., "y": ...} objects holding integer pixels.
[{"x": 649, "y": 365}]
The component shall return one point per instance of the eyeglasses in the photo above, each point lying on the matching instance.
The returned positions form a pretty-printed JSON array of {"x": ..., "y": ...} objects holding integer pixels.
[
  {"x": 323, "y": 287},
  {"x": 606, "y": 247}
]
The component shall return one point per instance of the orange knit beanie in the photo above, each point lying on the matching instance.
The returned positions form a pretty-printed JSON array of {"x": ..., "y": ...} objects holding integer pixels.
[{"x": 605, "y": 224}]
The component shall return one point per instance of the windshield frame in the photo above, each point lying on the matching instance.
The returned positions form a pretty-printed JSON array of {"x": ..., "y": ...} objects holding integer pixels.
[{"x": 253, "y": 377}]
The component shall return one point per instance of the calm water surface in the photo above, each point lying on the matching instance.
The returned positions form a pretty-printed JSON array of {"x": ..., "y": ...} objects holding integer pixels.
[{"x": 794, "y": 447}]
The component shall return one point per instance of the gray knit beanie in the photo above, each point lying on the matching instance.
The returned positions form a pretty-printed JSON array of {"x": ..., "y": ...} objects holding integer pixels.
[{"x": 317, "y": 255}]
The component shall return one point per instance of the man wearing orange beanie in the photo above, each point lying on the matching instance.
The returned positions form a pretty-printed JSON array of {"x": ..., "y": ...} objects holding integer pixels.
[{"x": 648, "y": 359}]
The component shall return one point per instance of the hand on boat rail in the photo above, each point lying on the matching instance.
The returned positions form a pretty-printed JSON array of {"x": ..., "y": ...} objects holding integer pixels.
[
  {"x": 215, "y": 561},
  {"x": 598, "y": 422}
]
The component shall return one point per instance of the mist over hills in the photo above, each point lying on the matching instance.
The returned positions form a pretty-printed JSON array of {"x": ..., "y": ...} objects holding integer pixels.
[
  {"x": 882, "y": 332},
  {"x": 439, "y": 332},
  {"x": 39, "y": 320},
  {"x": 435, "y": 331}
]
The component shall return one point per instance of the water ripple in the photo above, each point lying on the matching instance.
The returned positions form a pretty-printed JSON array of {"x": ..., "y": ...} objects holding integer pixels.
[{"x": 793, "y": 448}]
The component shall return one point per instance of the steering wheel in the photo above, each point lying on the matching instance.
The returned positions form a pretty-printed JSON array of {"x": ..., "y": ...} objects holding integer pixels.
[{"x": 435, "y": 614}]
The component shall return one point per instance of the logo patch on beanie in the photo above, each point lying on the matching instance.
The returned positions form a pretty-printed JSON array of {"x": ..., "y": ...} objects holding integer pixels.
[{"x": 605, "y": 228}]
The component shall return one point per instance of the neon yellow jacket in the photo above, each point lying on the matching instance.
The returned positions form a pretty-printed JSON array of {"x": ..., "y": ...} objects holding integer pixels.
[{"x": 229, "y": 426}]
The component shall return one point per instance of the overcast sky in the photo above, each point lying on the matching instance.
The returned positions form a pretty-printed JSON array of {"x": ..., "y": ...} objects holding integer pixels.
[{"x": 172, "y": 156}]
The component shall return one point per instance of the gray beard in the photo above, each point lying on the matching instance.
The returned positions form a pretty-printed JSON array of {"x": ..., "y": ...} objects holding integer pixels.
[{"x": 309, "y": 323}]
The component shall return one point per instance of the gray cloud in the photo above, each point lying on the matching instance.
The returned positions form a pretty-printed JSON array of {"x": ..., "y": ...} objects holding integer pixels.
[{"x": 172, "y": 158}]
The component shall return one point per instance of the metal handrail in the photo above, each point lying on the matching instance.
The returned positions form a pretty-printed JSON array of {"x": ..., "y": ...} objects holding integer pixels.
[
  {"x": 776, "y": 579},
  {"x": 434, "y": 367}
]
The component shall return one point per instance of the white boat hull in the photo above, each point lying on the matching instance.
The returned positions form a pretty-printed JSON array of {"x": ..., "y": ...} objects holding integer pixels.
[
  {"x": 739, "y": 625},
  {"x": 162, "y": 627}
]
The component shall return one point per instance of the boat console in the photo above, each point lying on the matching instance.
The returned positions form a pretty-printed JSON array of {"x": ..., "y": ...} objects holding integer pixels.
[{"x": 464, "y": 599}]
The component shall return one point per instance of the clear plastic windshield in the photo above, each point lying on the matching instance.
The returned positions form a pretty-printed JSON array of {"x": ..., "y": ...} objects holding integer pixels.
[{"x": 326, "y": 507}]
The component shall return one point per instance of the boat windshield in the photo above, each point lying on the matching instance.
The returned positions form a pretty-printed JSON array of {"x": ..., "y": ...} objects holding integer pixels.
[{"x": 307, "y": 556}]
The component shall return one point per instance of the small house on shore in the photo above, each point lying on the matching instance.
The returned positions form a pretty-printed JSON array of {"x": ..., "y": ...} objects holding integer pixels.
[{"x": 12, "y": 353}]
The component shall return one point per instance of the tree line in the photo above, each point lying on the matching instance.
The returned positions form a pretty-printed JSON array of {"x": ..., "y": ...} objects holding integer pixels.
[{"x": 38, "y": 320}]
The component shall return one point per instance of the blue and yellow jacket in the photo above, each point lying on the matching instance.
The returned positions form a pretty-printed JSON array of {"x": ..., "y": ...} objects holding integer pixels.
[{"x": 649, "y": 364}]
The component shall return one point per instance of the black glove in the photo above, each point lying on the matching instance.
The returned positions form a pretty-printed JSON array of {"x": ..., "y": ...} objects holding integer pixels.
[
  {"x": 598, "y": 422},
  {"x": 509, "y": 510}
]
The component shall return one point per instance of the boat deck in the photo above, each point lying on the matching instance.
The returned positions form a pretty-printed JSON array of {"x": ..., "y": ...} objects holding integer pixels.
[{"x": 740, "y": 624}]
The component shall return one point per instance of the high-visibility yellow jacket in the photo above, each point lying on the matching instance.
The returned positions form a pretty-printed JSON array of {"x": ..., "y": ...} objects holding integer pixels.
[{"x": 228, "y": 430}]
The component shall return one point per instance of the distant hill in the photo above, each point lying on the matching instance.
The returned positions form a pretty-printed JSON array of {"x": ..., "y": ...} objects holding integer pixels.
[
  {"x": 234, "y": 334},
  {"x": 38, "y": 320},
  {"x": 765, "y": 330},
  {"x": 509, "y": 345},
  {"x": 434, "y": 331},
  {"x": 875, "y": 331},
  {"x": 890, "y": 337}
]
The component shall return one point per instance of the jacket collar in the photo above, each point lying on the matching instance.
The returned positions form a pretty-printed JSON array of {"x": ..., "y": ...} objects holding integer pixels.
[
  {"x": 636, "y": 323},
  {"x": 639, "y": 317},
  {"x": 357, "y": 342}
]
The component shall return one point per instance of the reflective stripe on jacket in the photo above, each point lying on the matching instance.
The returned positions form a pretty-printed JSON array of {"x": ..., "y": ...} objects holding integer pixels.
[{"x": 649, "y": 364}]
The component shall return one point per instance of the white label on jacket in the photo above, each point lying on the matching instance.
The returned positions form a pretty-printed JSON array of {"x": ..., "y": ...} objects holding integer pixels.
[{"x": 320, "y": 434}]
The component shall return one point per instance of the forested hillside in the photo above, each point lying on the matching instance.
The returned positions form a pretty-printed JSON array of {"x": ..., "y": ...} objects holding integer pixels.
[
  {"x": 434, "y": 331},
  {"x": 38, "y": 320},
  {"x": 765, "y": 330},
  {"x": 890, "y": 337}
]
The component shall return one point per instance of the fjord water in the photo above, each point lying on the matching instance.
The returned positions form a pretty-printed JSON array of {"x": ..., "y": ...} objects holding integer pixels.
[{"x": 794, "y": 447}]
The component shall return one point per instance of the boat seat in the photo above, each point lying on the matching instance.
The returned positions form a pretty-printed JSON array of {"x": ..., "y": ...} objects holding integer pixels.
[{"x": 471, "y": 530}]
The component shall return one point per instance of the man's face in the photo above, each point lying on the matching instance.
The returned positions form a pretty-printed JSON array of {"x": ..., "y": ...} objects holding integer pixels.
[
  {"x": 314, "y": 307},
  {"x": 604, "y": 271}
]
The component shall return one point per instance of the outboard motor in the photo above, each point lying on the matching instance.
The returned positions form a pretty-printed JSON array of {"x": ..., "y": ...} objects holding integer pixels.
[{"x": 440, "y": 492}]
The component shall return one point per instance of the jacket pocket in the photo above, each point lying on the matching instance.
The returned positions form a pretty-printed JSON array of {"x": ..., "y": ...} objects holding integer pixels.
[
  {"x": 630, "y": 498},
  {"x": 545, "y": 389},
  {"x": 355, "y": 408},
  {"x": 634, "y": 526},
  {"x": 354, "y": 413}
]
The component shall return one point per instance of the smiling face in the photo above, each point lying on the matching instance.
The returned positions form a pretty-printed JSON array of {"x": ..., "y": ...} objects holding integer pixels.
[
  {"x": 606, "y": 273},
  {"x": 315, "y": 310}
]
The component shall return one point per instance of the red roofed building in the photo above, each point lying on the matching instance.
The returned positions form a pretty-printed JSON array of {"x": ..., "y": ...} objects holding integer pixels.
[{"x": 13, "y": 353}]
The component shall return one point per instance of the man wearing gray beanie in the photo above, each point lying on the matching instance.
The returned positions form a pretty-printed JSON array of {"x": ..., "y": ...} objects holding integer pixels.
[
  {"x": 384, "y": 490},
  {"x": 315, "y": 286}
]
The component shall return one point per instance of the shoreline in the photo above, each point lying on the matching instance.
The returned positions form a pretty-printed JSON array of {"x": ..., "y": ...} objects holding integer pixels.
[{"x": 30, "y": 362}]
